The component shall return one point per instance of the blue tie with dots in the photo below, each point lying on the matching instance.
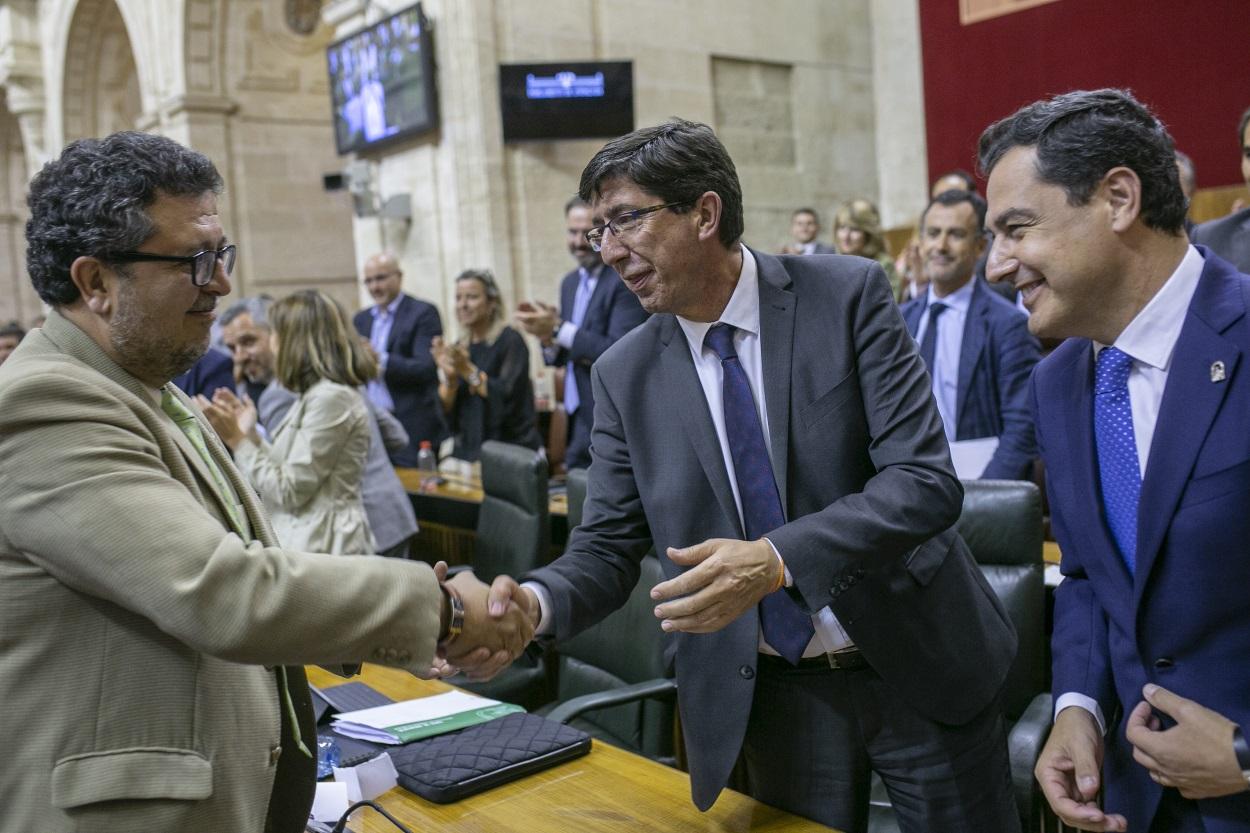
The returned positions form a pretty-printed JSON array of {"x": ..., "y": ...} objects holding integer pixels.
[
  {"x": 786, "y": 627},
  {"x": 1118, "y": 470}
]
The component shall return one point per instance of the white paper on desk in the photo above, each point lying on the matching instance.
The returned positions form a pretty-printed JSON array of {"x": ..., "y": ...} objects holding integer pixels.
[
  {"x": 367, "y": 781},
  {"x": 330, "y": 801},
  {"x": 394, "y": 723},
  {"x": 972, "y": 456}
]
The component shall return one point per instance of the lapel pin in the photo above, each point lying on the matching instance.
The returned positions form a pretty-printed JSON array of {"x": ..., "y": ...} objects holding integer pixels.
[{"x": 1217, "y": 371}]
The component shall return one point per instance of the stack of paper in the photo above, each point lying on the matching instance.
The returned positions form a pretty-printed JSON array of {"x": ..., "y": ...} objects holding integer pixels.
[{"x": 424, "y": 717}]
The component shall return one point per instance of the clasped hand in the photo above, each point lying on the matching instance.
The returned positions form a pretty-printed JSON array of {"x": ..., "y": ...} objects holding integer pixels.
[
  {"x": 498, "y": 624},
  {"x": 232, "y": 418}
]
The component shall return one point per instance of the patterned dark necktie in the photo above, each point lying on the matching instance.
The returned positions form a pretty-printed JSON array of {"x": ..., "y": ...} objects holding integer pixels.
[
  {"x": 928, "y": 344},
  {"x": 786, "y": 627}
]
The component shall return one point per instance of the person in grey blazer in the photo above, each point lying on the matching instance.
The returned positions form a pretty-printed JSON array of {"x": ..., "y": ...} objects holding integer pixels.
[
  {"x": 1229, "y": 237},
  {"x": 152, "y": 632},
  {"x": 792, "y": 474},
  {"x": 245, "y": 331}
]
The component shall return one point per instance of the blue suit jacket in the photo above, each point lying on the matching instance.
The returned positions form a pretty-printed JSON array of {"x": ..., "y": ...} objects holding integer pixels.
[
  {"x": 612, "y": 312},
  {"x": 995, "y": 360},
  {"x": 215, "y": 369},
  {"x": 411, "y": 375},
  {"x": 1182, "y": 620}
]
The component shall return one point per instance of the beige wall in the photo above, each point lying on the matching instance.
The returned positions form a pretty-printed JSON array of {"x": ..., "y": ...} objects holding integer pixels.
[{"x": 788, "y": 86}]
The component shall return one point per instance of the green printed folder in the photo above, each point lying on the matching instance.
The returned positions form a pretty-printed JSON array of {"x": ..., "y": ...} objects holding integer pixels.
[{"x": 423, "y": 717}]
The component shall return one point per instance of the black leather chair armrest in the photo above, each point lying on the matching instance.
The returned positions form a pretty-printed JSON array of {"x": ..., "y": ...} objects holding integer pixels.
[
  {"x": 1024, "y": 746},
  {"x": 661, "y": 688}
]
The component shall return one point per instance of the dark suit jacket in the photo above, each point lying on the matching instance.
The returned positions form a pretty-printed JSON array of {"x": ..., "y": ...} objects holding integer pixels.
[
  {"x": 995, "y": 360},
  {"x": 612, "y": 312},
  {"x": 215, "y": 369},
  {"x": 411, "y": 375},
  {"x": 1228, "y": 237},
  {"x": 865, "y": 478},
  {"x": 1182, "y": 619}
]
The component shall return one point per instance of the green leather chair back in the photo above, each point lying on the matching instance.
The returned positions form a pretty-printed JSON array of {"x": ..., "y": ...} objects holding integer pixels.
[{"x": 513, "y": 528}]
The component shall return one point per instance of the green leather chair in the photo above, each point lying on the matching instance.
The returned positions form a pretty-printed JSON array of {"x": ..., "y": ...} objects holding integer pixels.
[{"x": 1002, "y": 525}]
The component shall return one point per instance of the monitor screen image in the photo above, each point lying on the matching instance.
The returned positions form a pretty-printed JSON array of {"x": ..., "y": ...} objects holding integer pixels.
[
  {"x": 573, "y": 100},
  {"x": 382, "y": 82}
]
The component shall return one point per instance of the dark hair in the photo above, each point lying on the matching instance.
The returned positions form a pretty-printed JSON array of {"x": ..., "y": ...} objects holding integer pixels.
[
  {"x": 678, "y": 161},
  {"x": 959, "y": 173},
  {"x": 12, "y": 329},
  {"x": 487, "y": 280},
  {"x": 575, "y": 202},
  {"x": 1241, "y": 128},
  {"x": 1081, "y": 135},
  {"x": 955, "y": 197},
  {"x": 810, "y": 211},
  {"x": 93, "y": 200}
]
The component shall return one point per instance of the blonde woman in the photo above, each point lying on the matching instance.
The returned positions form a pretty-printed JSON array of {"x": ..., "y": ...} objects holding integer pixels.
[
  {"x": 857, "y": 231},
  {"x": 308, "y": 472},
  {"x": 484, "y": 378}
]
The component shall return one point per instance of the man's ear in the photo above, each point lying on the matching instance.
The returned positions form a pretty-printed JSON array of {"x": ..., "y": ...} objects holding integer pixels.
[
  {"x": 1121, "y": 187},
  {"x": 95, "y": 283},
  {"x": 708, "y": 208}
]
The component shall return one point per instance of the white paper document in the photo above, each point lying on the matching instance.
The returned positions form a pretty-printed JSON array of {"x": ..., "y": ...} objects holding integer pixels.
[
  {"x": 424, "y": 717},
  {"x": 972, "y": 456}
]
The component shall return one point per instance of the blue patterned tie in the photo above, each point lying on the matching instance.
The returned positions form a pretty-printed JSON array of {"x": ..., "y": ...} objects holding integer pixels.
[
  {"x": 581, "y": 300},
  {"x": 786, "y": 627},
  {"x": 1118, "y": 470},
  {"x": 928, "y": 344}
]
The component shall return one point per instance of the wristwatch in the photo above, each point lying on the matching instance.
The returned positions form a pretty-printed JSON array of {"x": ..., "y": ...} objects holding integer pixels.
[
  {"x": 455, "y": 622},
  {"x": 1242, "y": 749}
]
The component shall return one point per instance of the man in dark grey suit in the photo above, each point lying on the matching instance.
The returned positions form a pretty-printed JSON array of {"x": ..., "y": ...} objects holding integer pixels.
[
  {"x": 595, "y": 310},
  {"x": 792, "y": 474},
  {"x": 245, "y": 331},
  {"x": 1229, "y": 237}
]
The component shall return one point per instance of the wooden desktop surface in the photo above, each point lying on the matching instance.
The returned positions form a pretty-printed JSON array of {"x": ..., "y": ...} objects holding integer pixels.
[
  {"x": 607, "y": 791},
  {"x": 466, "y": 489}
]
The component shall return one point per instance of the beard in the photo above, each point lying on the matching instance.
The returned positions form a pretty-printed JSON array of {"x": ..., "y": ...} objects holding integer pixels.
[{"x": 136, "y": 339}]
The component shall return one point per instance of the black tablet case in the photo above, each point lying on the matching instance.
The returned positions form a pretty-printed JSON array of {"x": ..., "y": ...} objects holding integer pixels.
[{"x": 449, "y": 767}]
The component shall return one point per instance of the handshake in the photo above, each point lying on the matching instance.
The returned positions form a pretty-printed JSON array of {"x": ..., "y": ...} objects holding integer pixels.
[{"x": 484, "y": 627}]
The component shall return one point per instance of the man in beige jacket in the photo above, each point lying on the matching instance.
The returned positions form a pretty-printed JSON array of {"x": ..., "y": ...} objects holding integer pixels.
[{"x": 152, "y": 633}]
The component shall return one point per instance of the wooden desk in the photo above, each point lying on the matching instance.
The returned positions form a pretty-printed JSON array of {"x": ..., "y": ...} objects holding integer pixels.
[
  {"x": 607, "y": 791},
  {"x": 447, "y": 516}
]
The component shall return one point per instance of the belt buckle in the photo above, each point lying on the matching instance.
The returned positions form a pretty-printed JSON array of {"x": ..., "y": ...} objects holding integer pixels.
[{"x": 832, "y": 658}]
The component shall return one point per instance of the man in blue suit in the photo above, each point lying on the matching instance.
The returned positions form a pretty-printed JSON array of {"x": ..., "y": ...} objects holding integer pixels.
[
  {"x": 975, "y": 343},
  {"x": 595, "y": 310},
  {"x": 1141, "y": 418},
  {"x": 400, "y": 329}
]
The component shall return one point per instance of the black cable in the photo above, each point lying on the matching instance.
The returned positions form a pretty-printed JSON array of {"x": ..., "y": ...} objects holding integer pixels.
[{"x": 341, "y": 825}]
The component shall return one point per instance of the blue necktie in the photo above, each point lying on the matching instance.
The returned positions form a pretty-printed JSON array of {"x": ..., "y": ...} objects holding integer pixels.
[
  {"x": 786, "y": 627},
  {"x": 928, "y": 344},
  {"x": 581, "y": 300},
  {"x": 1118, "y": 472}
]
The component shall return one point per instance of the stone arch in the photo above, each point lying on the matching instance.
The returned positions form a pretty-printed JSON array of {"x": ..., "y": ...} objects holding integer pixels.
[
  {"x": 17, "y": 297},
  {"x": 101, "y": 90}
]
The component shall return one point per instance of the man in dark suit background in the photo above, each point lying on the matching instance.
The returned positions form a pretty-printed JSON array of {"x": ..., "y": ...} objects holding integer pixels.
[
  {"x": 792, "y": 475},
  {"x": 804, "y": 229},
  {"x": 975, "y": 343},
  {"x": 400, "y": 329},
  {"x": 1229, "y": 237},
  {"x": 1141, "y": 418},
  {"x": 595, "y": 310}
]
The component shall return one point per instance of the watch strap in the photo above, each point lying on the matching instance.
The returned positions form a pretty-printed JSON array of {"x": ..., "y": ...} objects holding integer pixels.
[
  {"x": 455, "y": 622},
  {"x": 1242, "y": 749}
]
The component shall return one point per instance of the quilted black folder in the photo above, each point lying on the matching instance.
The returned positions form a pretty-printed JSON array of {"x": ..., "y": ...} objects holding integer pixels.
[{"x": 450, "y": 767}]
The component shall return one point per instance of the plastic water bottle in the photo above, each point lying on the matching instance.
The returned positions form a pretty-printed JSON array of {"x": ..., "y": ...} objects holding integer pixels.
[
  {"x": 328, "y": 756},
  {"x": 427, "y": 463}
]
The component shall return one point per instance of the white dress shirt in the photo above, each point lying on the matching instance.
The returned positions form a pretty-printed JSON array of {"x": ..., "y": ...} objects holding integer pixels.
[
  {"x": 743, "y": 312},
  {"x": 946, "y": 350},
  {"x": 1149, "y": 339}
]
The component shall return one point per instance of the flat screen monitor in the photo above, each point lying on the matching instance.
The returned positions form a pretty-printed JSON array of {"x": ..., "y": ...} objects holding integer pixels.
[
  {"x": 571, "y": 100},
  {"x": 382, "y": 82}
]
